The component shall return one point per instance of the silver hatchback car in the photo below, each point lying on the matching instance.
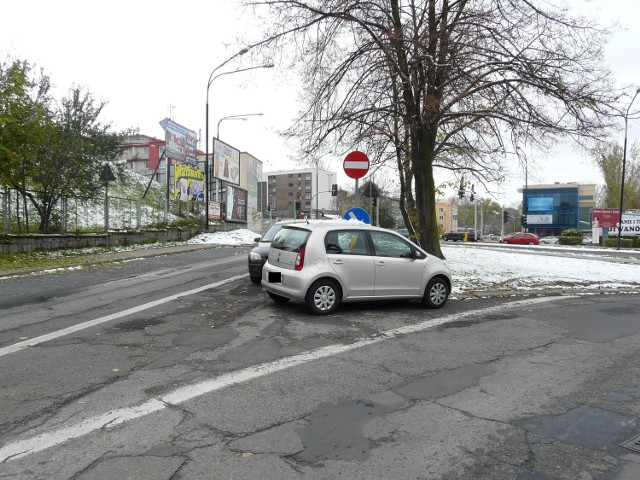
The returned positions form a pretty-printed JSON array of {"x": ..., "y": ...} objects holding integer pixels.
[{"x": 325, "y": 264}]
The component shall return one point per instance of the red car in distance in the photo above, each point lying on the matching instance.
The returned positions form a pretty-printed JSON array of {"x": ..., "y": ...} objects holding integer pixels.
[{"x": 521, "y": 238}]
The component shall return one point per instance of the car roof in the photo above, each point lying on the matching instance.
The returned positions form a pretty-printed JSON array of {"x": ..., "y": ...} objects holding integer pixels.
[{"x": 323, "y": 225}]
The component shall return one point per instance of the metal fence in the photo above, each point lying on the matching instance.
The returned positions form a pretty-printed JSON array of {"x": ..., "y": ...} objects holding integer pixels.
[{"x": 72, "y": 214}]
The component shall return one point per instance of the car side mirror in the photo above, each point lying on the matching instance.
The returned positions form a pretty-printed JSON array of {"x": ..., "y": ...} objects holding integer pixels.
[
  {"x": 417, "y": 254},
  {"x": 257, "y": 239}
]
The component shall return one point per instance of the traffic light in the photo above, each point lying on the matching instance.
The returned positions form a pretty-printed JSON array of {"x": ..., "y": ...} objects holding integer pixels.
[
  {"x": 505, "y": 216},
  {"x": 523, "y": 220},
  {"x": 374, "y": 201},
  {"x": 268, "y": 207},
  {"x": 472, "y": 194},
  {"x": 461, "y": 190},
  {"x": 334, "y": 190}
]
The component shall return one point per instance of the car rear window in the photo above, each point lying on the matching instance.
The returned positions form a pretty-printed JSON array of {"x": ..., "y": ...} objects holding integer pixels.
[
  {"x": 269, "y": 234},
  {"x": 290, "y": 239}
]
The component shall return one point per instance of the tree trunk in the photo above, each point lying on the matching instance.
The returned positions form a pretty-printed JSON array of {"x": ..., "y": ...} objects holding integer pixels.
[{"x": 425, "y": 196}]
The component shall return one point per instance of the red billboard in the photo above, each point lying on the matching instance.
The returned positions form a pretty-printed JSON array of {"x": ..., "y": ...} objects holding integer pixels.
[{"x": 605, "y": 217}]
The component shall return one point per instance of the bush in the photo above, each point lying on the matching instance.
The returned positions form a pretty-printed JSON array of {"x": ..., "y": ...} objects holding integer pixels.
[
  {"x": 572, "y": 236},
  {"x": 635, "y": 241},
  {"x": 625, "y": 242}
]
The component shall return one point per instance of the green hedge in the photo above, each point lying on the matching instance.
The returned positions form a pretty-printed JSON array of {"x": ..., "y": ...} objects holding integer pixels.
[
  {"x": 572, "y": 236},
  {"x": 562, "y": 240},
  {"x": 625, "y": 242}
]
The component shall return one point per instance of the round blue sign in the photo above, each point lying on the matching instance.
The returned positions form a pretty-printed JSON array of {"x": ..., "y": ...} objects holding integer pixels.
[{"x": 357, "y": 213}]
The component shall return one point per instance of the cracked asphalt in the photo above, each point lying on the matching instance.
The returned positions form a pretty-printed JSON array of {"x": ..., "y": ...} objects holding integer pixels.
[{"x": 498, "y": 387}]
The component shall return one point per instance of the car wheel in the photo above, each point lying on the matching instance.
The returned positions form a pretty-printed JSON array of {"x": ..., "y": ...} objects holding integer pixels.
[
  {"x": 436, "y": 293},
  {"x": 255, "y": 279},
  {"x": 277, "y": 298},
  {"x": 532, "y": 243},
  {"x": 323, "y": 297}
]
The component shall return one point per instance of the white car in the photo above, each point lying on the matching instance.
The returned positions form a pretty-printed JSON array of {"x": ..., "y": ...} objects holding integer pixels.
[
  {"x": 549, "y": 240},
  {"x": 325, "y": 264}
]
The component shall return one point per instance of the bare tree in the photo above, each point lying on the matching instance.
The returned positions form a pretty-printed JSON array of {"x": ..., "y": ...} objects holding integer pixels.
[{"x": 463, "y": 85}]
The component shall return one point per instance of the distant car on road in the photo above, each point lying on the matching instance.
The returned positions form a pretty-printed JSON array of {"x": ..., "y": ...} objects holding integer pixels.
[
  {"x": 521, "y": 238},
  {"x": 404, "y": 232},
  {"x": 552, "y": 240},
  {"x": 459, "y": 234}
]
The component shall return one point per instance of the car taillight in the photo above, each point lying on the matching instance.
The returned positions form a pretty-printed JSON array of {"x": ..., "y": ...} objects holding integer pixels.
[{"x": 300, "y": 258}]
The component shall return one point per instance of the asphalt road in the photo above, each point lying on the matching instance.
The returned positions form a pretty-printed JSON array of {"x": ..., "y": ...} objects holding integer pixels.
[{"x": 177, "y": 367}]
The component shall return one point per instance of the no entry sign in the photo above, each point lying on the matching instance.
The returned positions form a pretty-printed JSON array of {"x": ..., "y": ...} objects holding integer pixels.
[{"x": 356, "y": 165}]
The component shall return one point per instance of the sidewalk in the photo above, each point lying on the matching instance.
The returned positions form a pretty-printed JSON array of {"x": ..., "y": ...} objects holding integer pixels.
[{"x": 108, "y": 257}]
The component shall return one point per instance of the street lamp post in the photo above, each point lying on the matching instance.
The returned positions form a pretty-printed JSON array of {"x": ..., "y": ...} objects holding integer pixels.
[
  {"x": 212, "y": 77},
  {"x": 624, "y": 164},
  {"x": 235, "y": 117}
]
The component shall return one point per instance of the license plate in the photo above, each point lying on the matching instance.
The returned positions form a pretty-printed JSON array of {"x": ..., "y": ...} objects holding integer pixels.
[{"x": 275, "y": 277}]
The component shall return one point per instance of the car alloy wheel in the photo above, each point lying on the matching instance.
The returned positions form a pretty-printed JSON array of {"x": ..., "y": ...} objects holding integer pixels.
[
  {"x": 323, "y": 297},
  {"x": 436, "y": 293}
]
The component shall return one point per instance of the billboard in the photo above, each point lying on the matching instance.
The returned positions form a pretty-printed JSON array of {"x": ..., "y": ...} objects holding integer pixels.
[
  {"x": 540, "y": 204},
  {"x": 214, "y": 210},
  {"x": 180, "y": 142},
  {"x": 605, "y": 217},
  {"x": 630, "y": 226},
  {"x": 540, "y": 219},
  {"x": 188, "y": 183},
  {"x": 226, "y": 162},
  {"x": 235, "y": 204}
]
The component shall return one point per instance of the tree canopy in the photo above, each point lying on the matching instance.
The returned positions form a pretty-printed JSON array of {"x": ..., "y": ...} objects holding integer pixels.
[
  {"x": 608, "y": 157},
  {"x": 50, "y": 149},
  {"x": 460, "y": 85}
]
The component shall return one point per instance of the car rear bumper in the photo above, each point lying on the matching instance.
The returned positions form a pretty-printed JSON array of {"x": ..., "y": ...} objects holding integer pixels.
[{"x": 289, "y": 286}]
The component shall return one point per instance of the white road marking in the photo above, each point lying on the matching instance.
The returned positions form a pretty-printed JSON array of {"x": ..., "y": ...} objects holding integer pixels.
[
  {"x": 91, "y": 323},
  {"x": 49, "y": 439}
]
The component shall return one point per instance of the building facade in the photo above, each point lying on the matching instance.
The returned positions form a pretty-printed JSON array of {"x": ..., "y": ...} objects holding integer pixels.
[
  {"x": 313, "y": 187},
  {"x": 552, "y": 208},
  {"x": 447, "y": 215}
]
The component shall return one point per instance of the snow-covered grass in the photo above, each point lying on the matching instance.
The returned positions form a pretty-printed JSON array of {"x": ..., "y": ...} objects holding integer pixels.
[{"x": 479, "y": 269}]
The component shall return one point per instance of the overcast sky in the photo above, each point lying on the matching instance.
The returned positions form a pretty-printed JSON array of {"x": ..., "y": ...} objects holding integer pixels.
[{"x": 152, "y": 59}]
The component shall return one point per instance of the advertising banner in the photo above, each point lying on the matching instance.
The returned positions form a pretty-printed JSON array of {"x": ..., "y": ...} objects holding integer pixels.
[
  {"x": 226, "y": 162},
  {"x": 214, "y": 210},
  {"x": 540, "y": 204},
  {"x": 188, "y": 183},
  {"x": 236, "y": 204},
  {"x": 605, "y": 217},
  {"x": 180, "y": 142},
  {"x": 539, "y": 219},
  {"x": 630, "y": 226}
]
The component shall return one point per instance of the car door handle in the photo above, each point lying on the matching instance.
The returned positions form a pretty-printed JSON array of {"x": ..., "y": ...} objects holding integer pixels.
[
  {"x": 381, "y": 264},
  {"x": 338, "y": 262}
]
